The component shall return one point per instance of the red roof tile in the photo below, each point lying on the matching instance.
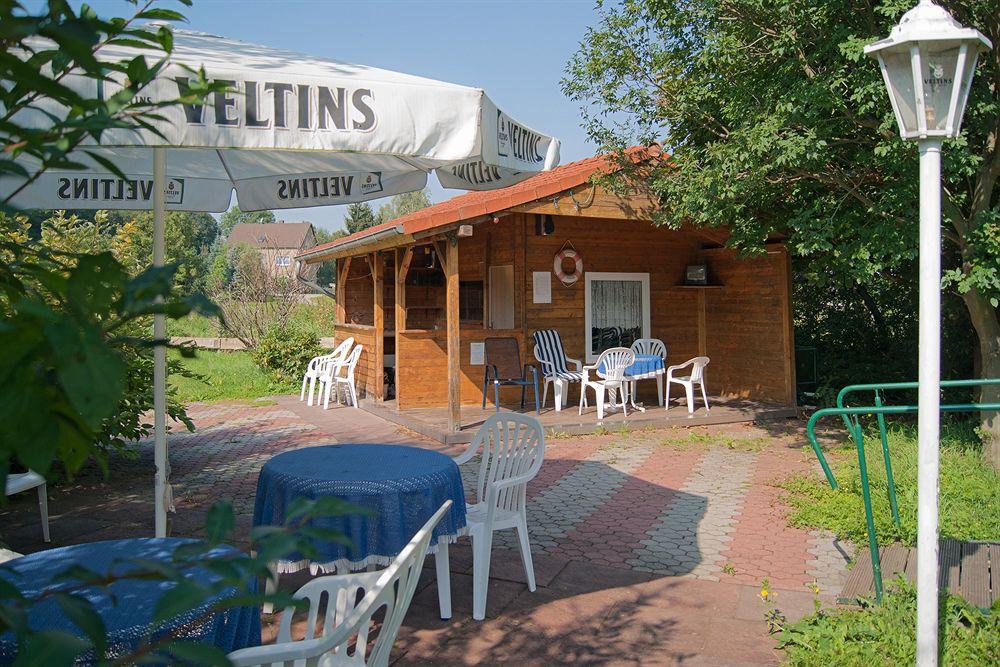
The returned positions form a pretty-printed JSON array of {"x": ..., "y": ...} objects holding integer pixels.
[{"x": 477, "y": 203}]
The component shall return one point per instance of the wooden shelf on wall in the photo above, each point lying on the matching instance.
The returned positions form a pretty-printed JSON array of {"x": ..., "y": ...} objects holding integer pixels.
[{"x": 698, "y": 286}]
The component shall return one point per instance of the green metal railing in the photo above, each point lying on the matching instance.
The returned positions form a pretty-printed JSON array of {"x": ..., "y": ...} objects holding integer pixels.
[{"x": 851, "y": 417}]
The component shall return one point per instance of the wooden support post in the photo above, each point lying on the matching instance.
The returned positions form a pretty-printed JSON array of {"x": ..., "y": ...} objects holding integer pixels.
[
  {"x": 343, "y": 268},
  {"x": 403, "y": 259},
  {"x": 702, "y": 334},
  {"x": 454, "y": 339},
  {"x": 378, "y": 365},
  {"x": 788, "y": 329}
]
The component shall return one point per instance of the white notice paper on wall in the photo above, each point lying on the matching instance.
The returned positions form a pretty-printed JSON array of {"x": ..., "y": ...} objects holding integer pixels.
[
  {"x": 541, "y": 283},
  {"x": 476, "y": 354}
]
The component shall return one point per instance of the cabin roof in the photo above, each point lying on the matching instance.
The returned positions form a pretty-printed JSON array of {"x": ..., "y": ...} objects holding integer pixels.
[{"x": 481, "y": 203}]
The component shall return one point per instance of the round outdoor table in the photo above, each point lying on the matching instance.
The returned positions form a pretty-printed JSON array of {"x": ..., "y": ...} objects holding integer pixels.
[
  {"x": 125, "y": 606},
  {"x": 401, "y": 487},
  {"x": 645, "y": 367}
]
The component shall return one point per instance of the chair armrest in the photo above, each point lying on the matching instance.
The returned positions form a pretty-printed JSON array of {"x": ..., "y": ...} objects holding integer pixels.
[
  {"x": 576, "y": 362},
  {"x": 470, "y": 451},
  {"x": 680, "y": 366}
]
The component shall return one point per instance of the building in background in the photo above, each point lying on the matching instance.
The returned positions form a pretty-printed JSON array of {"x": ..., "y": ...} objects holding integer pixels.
[{"x": 278, "y": 244}]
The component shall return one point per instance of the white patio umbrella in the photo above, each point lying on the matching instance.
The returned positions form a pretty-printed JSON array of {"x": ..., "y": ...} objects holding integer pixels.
[{"x": 296, "y": 131}]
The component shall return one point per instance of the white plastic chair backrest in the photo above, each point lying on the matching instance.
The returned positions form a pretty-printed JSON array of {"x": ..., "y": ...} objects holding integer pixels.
[
  {"x": 650, "y": 346},
  {"x": 513, "y": 445},
  {"x": 351, "y": 361},
  {"x": 698, "y": 368},
  {"x": 615, "y": 360},
  {"x": 549, "y": 350},
  {"x": 339, "y": 353},
  {"x": 347, "y": 615}
]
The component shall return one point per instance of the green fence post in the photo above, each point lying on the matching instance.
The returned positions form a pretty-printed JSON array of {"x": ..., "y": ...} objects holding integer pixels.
[
  {"x": 869, "y": 517},
  {"x": 888, "y": 462}
]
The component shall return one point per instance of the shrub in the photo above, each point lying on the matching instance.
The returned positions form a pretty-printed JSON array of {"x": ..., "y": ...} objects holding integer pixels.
[
  {"x": 886, "y": 635},
  {"x": 286, "y": 351}
]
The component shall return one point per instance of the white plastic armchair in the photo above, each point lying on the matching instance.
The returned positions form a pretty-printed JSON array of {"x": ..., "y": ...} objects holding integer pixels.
[
  {"x": 610, "y": 373},
  {"x": 555, "y": 364},
  {"x": 652, "y": 347},
  {"x": 347, "y": 618},
  {"x": 696, "y": 377},
  {"x": 22, "y": 481},
  {"x": 343, "y": 374},
  {"x": 513, "y": 446},
  {"x": 317, "y": 368},
  {"x": 337, "y": 372}
]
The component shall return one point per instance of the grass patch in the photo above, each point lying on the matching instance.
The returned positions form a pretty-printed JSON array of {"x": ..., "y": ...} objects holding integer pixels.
[
  {"x": 699, "y": 440},
  {"x": 225, "y": 376},
  {"x": 969, "y": 500},
  {"x": 886, "y": 634},
  {"x": 315, "y": 318}
]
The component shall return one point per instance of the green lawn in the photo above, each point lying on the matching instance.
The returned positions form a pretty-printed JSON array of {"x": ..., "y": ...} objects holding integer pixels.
[
  {"x": 315, "y": 318},
  {"x": 969, "y": 499},
  {"x": 225, "y": 376}
]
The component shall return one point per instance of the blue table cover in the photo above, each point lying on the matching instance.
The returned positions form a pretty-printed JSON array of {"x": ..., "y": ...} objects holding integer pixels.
[
  {"x": 645, "y": 366},
  {"x": 402, "y": 486},
  {"x": 127, "y": 620}
]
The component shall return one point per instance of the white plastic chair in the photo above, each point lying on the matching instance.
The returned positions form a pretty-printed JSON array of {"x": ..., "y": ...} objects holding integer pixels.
[
  {"x": 513, "y": 446},
  {"x": 550, "y": 354},
  {"x": 333, "y": 379},
  {"x": 8, "y": 555},
  {"x": 347, "y": 617},
  {"x": 651, "y": 347},
  {"x": 615, "y": 361},
  {"x": 317, "y": 366},
  {"x": 22, "y": 481},
  {"x": 697, "y": 377}
]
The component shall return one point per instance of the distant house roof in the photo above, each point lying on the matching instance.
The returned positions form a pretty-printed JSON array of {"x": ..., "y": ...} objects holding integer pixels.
[
  {"x": 273, "y": 235},
  {"x": 474, "y": 204}
]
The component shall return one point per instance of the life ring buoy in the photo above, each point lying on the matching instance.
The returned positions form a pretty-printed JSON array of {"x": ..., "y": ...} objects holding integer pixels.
[{"x": 568, "y": 279}]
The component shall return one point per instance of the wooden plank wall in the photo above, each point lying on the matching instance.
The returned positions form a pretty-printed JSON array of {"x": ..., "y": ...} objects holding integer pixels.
[
  {"x": 422, "y": 357},
  {"x": 745, "y": 333},
  {"x": 617, "y": 246},
  {"x": 359, "y": 294}
]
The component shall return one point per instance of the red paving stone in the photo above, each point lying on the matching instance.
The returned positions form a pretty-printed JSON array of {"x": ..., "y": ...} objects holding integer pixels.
[
  {"x": 590, "y": 607},
  {"x": 764, "y": 545}
]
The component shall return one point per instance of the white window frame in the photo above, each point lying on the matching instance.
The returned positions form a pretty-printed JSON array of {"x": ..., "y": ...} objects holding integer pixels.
[
  {"x": 282, "y": 260},
  {"x": 591, "y": 276}
]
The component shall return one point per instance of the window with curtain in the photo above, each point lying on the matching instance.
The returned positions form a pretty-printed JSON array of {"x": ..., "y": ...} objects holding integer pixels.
[{"x": 617, "y": 309}]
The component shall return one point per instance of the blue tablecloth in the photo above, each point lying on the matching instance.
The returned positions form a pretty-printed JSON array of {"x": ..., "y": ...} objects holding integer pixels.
[
  {"x": 125, "y": 606},
  {"x": 645, "y": 366},
  {"x": 401, "y": 486}
]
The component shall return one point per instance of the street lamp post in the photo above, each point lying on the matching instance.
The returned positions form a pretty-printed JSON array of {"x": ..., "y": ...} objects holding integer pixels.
[{"x": 927, "y": 63}]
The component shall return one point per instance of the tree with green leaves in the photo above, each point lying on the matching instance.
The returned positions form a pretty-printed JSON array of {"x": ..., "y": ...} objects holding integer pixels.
[
  {"x": 68, "y": 318},
  {"x": 359, "y": 216},
  {"x": 776, "y": 122},
  {"x": 403, "y": 204},
  {"x": 236, "y": 216},
  {"x": 189, "y": 239}
]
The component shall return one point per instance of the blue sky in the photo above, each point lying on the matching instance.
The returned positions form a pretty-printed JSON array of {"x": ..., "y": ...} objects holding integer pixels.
[{"x": 515, "y": 49}]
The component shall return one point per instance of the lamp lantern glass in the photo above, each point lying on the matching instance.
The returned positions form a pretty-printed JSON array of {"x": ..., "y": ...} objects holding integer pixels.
[{"x": 927, "y": 63}]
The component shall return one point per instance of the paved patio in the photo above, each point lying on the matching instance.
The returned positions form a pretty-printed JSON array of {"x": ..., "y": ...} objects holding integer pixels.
[{"x": 649, "y": 545}]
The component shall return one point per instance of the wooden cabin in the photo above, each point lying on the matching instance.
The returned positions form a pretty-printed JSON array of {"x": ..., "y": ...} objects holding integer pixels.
[{"x": 422, "y": 292}]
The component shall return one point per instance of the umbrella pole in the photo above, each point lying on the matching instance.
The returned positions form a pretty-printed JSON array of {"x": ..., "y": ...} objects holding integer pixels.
[{"x": 162, "y": 488}]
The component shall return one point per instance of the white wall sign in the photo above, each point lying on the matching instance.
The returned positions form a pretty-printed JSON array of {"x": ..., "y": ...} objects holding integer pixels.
[
  {"x": 477, "y": 353},
  {"x": 541, "y": 283}
]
